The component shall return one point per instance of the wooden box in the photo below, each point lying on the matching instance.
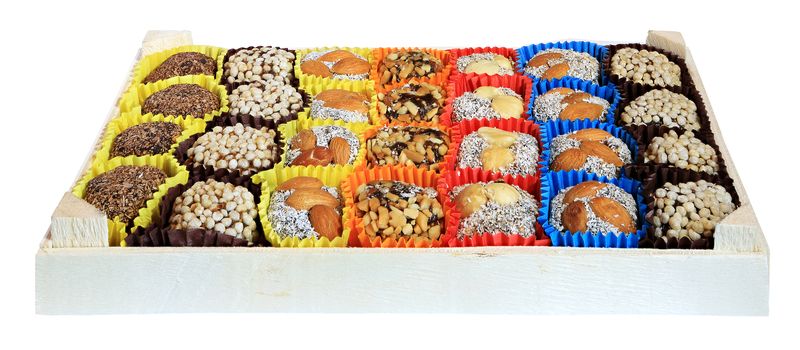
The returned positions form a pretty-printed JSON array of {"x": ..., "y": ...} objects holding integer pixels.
[{"x": 731, "y": 279}]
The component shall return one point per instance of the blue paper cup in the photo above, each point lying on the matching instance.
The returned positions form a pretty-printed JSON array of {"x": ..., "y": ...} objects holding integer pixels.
[
  {"x": 609, "y": 93},
  {"x": 599, "y": 52},
  {"x": 552, "y": 129}
]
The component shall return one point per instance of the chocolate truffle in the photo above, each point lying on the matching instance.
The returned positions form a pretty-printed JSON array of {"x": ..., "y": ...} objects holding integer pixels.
[
  {"x": 145, "y": 139},
  {"x": 396, "y": 209},
  {"x": 645, "y": 67},
  {"x": 239, "y": 147},
  {"x": 661, "y": 106},
  {"x": 498, "y": 150},
  {"x": 122, "y": 191},
  {"x": 488, "y": 102},
  {"x": 494, "y": 207},
  {"x": 182, "y": 100},
  {"x": 683, "y": 151},
  {"x": 270, "y": 100},
  {"x": 412, "y": 102},
  {"x": 336, "y": 64},
  {"x": 593, "y": 150},
  {"x": 408, "y": 145},
  {"x": 398, "y": 66},
  {"x": 291, "y": 215},
  {"x": 259, "y": 64},
  {"x": 594, "y": 207},
  {"x": 690, "y": 209},
  {"x": 218, "y": 206},
  {"x": 485, "y": 63},
  {"x": 568, "y": 104},
  {"x": 339, "y": 104},
  {"x": 323, "y": 145},
  {"x": 183, "y": 63},
  {"x": 559, "y": 63}
]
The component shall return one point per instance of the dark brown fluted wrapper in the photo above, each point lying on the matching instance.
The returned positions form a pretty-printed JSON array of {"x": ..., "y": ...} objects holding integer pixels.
[
  {"x": 676, "y": 176},
  {"x": 160, "y": 234},
  {"x": 686, "y": 78},
  {"x": 228, "y": 120},
  {"x": 632, "y": 91}
]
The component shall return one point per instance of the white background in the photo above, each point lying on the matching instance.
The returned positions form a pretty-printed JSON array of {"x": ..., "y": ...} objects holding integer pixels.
[{"x": 63, "y": 63}]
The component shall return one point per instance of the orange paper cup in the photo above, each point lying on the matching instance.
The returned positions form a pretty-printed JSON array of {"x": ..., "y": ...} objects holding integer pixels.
[{"x": 380, "y": 53}]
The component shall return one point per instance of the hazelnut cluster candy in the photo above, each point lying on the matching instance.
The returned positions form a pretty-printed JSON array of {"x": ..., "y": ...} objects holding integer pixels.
[
  {"x": 568, "y": 104},
  {"x": 259, "y": 64},
  {"x": 339, "y": 104},
  {"x": 559, "y": 63},
  {"x": 645, "y": 67},
  {"x": 398, "y": 66},
  {"x": 303, "y": 207},
  {"x": 494, "y": 207},
  {"x": 594, "y": 207},
  {"x": 683, "y": 151},
  {"x": 408, "y": 145},
  {"x": 336, "y": 64},
  {"x": 498, "y": 150},
  {"x": 690, "y": 209},
  {"x": 183, "y": 100},
  {"x": 488, "y": 102},
  {"x": 239, "y": 148},
  {"x": 270, "y": 100},
  {"x": 323, "y": 145},
  {"x": 181, "y": 64},
  {"x": 215, "y": 205},
  {"x": 485, "y": 63},
  {"x": 661, "y": 106},
  {"x": 395, "y": 209},
  {"x": 593, "y": 150},
  {"x": 412, "y": 102}
]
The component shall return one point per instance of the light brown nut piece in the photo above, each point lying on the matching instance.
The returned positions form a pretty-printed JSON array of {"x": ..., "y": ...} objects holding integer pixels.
[
  {"x": 360, "y": 106},
  {"x": 611, "y": 211},
  {"x": 497, "y": 137},
  {"x": 575, "y": 217},
  {"x": 336, "y": 55},
  {"x": 508, "y": 106},
  {"x": 340, "y": 149},
  {"x": 300, "y": 182},
  {"x": 502, "y": 193},
  {"x": 317, "y": 68},
  {"x": 351, "y": 66},
  {"x": 304, "y": 140},
  {"x": 307, "y": 198},
  {"x": 496, "y": 158},
  {"x": 570, "y": 159},
  {"x": 560, "y": 90},
  {"x": 591, "y": 134},
  {"x": 597, "y": 149},
  {"x": 556, "y": 72},
  {"x": 486, "y": 91},
  {"x": 332, "y": 95},
  {"x": 470, "y": 199},
  {"x": 575, "y": 97},
  {"x": 584, "y": 189},
  {"x": 503, "y": 62},
  {"x": 581, "y": 110},
  {"x": 326, "y": 221},
  {"x": 543, "y": 58},
  {"x": 317, "y": 156},
  {"x": 483, "y": 67}
]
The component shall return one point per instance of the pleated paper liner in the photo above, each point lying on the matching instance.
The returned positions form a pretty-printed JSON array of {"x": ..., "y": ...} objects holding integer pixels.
[
  {"x": 315, "y": 79},
  {"x": 599, "y": 52},
  {"x": 189, "y": 127},
  {"x": 378, "y": 54},
  {"x": 657, "y": 180},
  {"x": 314, "y": 85},
  {"x": 231, "y": 52},
  {"x": 419, "y": 177},
  {"x": 289, "y": 130},
  {"x": 370, "y": 133},
  {"x": 150, "y": 62},
  {"x": 271, "y": 179},
  {"x": 555, "y": 181},
  {"x": 159, "y": 234},
  {"x": 455, "y": 54},
  {"x": 134, "y": 98},
  {"x": 439, "y": 81},
  {"x": 643, "y": 134},
  {"x": 632, "y": 91},
  {"x": 304, "y": 97},
  {"x": 553, "y": 129},
  {"x": 452, "y": 179},
  {"x": 176, "y": 174},
  {"x": 181, "y": 152},
  {"x": 608, "y": 92},
  {"x": 460, "y": 130},
  {"x": 686, "y": 78},
  {"x": 461, "y": 83}
]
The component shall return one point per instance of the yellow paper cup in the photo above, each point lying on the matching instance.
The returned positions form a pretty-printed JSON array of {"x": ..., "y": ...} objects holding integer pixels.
[
  {"x": 176, "y": 174},
  {"x": 133, "y": 99},
  {"x": 150, "y": 62},
  {"x": 315, "y": 85},
  {"x": 290, "y": 129},
  {"x": 299, "y": 54}
]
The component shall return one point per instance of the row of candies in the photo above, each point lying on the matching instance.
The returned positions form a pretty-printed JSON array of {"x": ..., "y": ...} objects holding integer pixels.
[{"x": 566, "y": 144}]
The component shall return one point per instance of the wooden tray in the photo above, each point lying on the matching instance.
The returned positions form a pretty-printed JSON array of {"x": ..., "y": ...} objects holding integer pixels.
[{"x": 731, "y": 279}]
